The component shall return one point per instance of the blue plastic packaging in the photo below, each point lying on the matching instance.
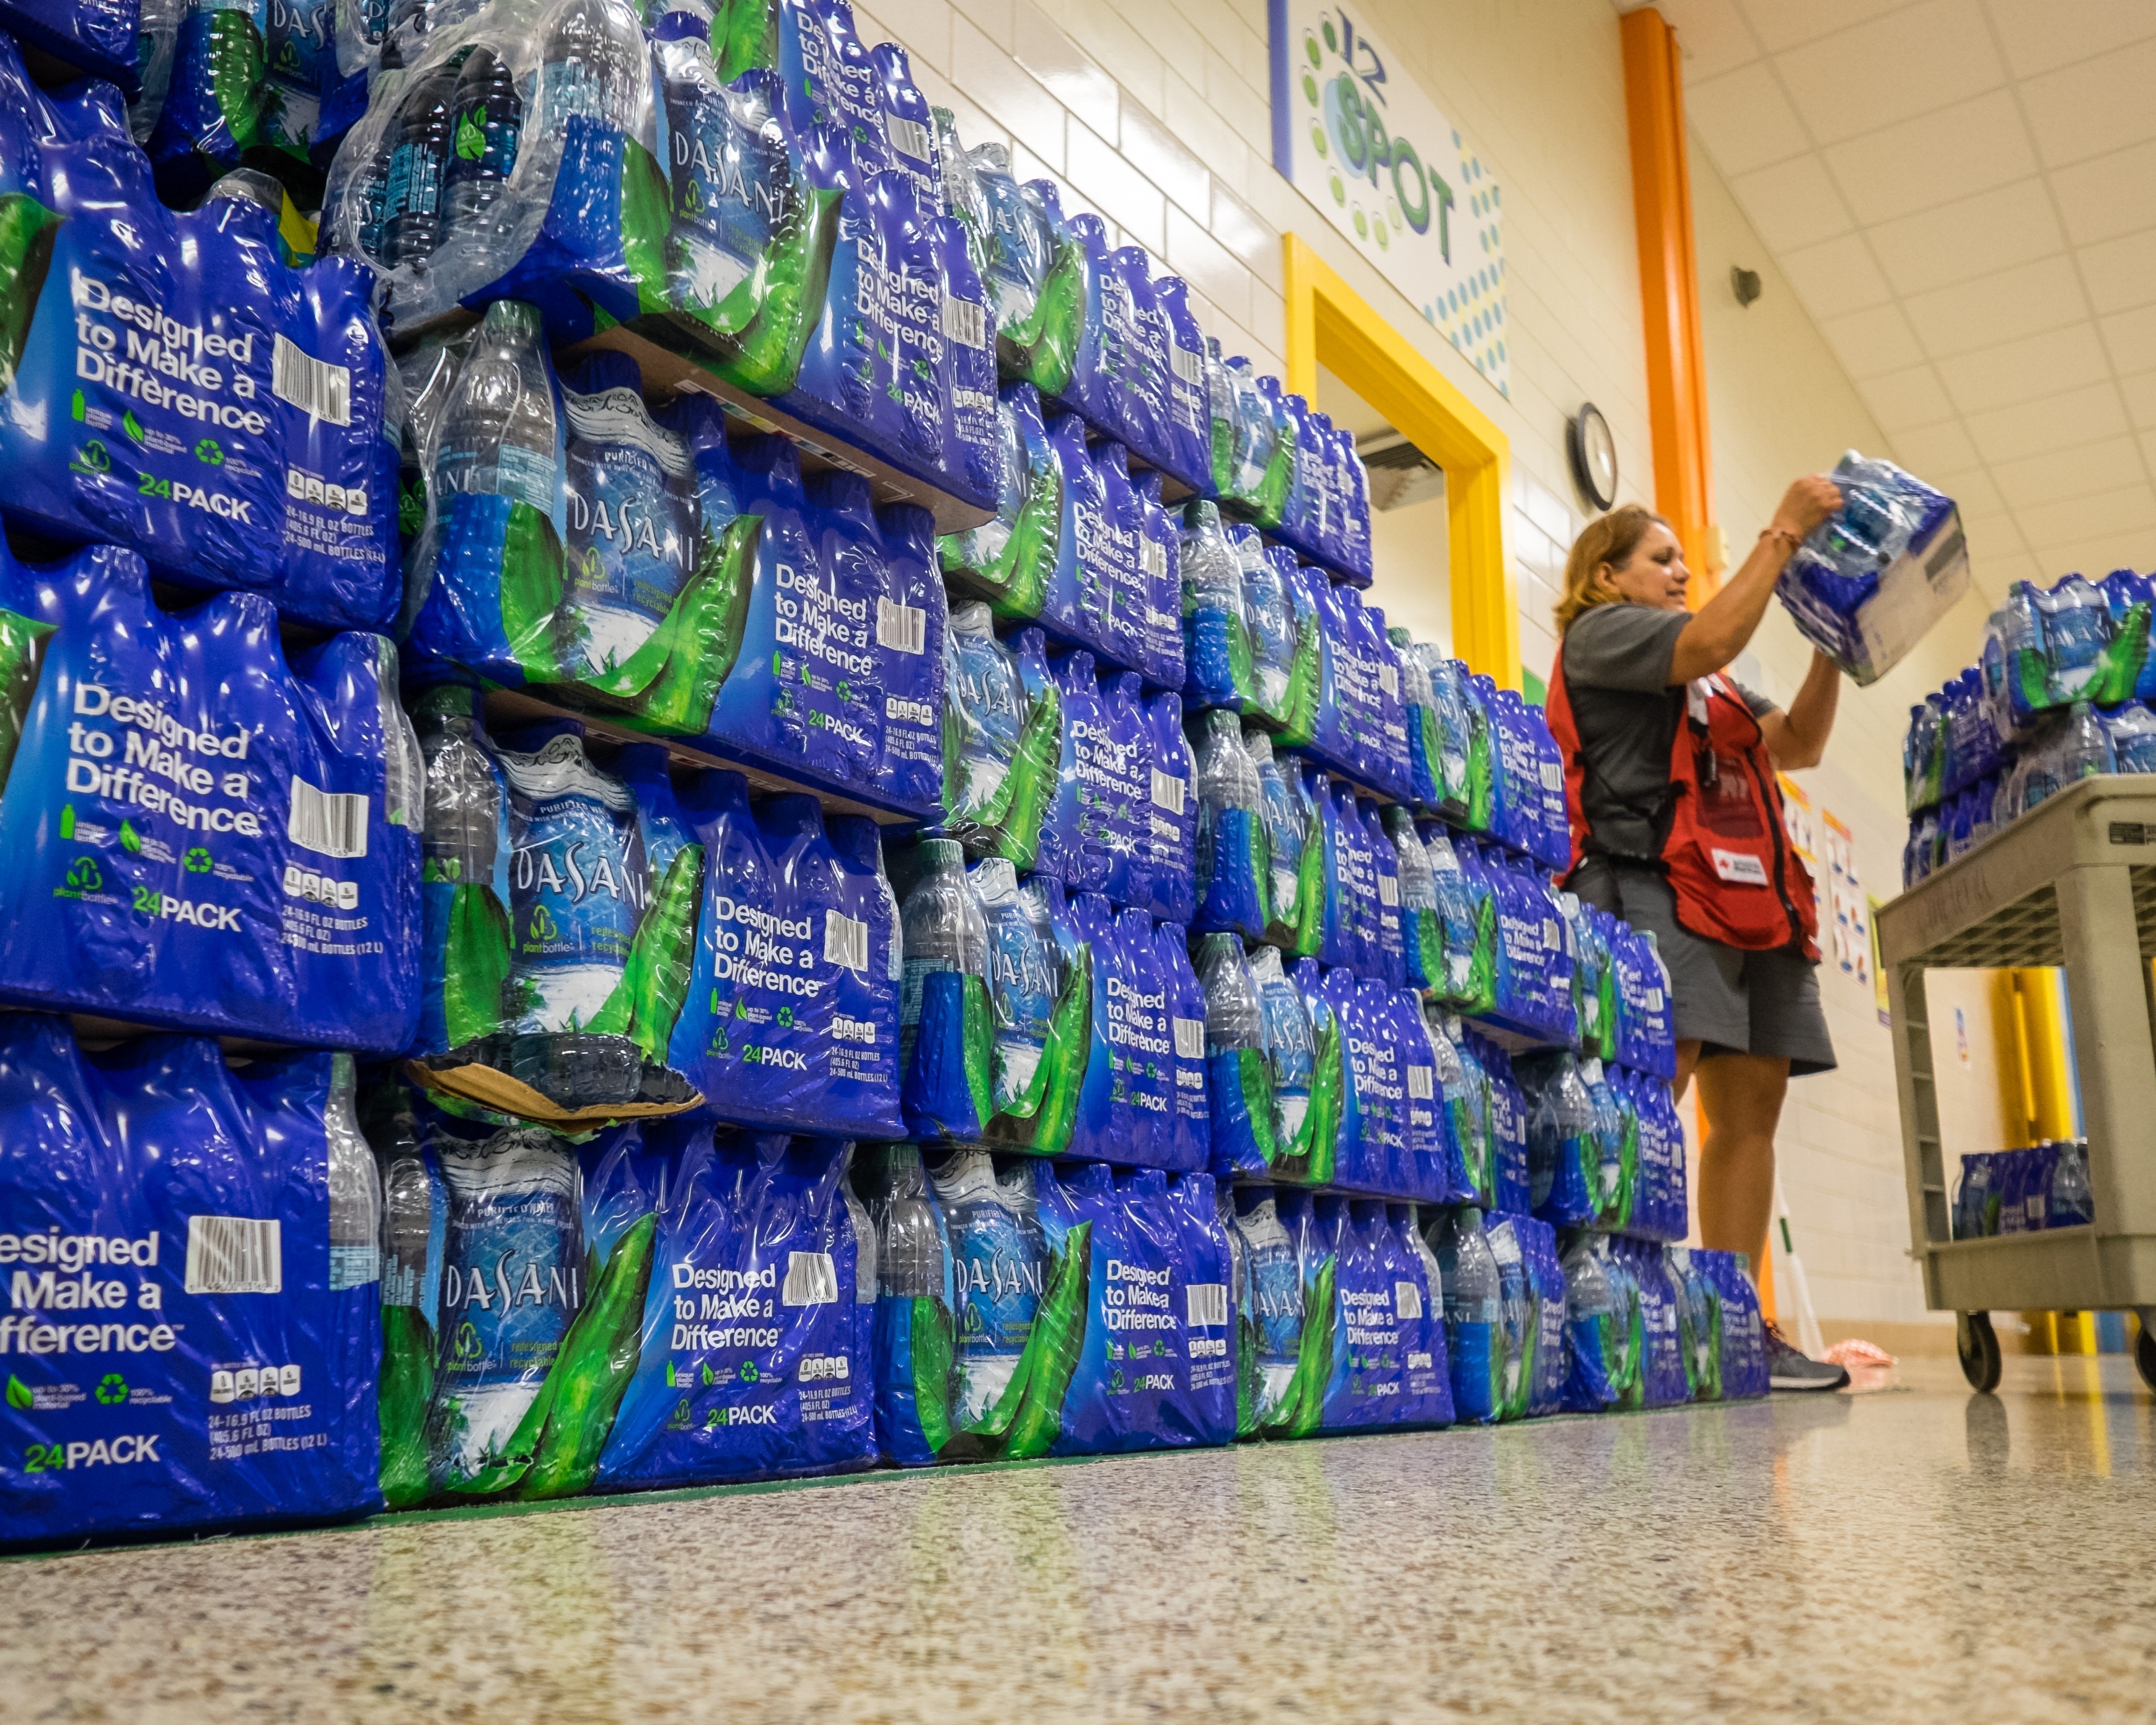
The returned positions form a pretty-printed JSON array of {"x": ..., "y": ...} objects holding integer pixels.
[
  {"x": 910, "y": 622},
  {"x": 790, "y": 1021},
  {"x": 1074, "y": 827},
  {"x": 1188, "y": 1141},
  {"x": 1104, "y": 1125},
  {"x": 1234, "y": 871},
  {"x": 196, "y": 831},
  {"x": 754, "y": 1358},
  {"x": 220, "y": 1226},
  {"x": 1169, "y": 847},
  {"x": 1419, "y": 1310},
  {"x": 97, "y": 36},
  {"x": 185, "y": 393},
  {"x": 1663, "y": 1381}
]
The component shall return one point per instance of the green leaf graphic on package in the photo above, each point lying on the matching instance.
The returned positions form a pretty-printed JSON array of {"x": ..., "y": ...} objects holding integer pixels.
[
  {"x": 1026, "y": 1416},
  {"x": 26, "y": 231}
]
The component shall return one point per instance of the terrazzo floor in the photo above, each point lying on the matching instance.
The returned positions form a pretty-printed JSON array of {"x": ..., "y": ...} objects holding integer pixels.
[{"x": 1912, "y": 1553}]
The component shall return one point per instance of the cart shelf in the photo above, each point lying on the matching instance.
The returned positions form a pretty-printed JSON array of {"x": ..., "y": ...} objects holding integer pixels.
[{"x": 2062, "y": 886}]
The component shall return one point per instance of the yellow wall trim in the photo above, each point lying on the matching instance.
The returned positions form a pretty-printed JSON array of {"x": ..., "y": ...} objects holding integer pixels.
[{"x": 1329, "y": 322}]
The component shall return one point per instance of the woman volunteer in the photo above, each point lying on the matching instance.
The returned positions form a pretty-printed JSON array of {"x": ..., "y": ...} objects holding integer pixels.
[{"x": 1676, "y": 826}]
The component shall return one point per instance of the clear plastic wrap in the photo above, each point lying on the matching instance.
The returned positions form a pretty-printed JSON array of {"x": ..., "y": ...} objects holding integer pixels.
[
  {"x": 517, "y": 152},
  {"x": 1870, "y": 580}
]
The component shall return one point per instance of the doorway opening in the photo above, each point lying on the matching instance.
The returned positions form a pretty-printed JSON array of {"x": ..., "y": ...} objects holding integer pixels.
[{"x": 1346, "y": 359}]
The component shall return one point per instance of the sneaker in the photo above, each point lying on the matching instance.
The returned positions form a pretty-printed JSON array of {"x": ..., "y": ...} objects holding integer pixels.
[{"x": 1789, "y": 1369}]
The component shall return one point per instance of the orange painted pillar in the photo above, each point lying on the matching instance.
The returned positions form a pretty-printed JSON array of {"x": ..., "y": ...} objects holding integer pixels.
[{"x": 1669, "y": 291}]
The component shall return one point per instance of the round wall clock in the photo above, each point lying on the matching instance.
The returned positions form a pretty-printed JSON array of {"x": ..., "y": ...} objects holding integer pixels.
[{"x": 1594, "y": 453}]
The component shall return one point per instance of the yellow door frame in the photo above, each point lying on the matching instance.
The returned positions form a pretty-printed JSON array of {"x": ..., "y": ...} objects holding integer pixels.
[{"x": 1329, "y": 323}]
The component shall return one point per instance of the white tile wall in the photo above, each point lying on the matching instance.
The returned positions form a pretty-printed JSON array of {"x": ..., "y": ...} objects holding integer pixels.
[{"x": 1155, "y": 113}]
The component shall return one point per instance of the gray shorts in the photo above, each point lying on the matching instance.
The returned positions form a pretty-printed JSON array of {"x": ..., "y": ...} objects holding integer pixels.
[{"x": 1728, "y": 1000}]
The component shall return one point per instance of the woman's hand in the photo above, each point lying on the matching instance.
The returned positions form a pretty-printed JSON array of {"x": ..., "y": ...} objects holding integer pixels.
[
  {"x": 1721, "y": 628},
  {"x": 1807, "y": 503}
]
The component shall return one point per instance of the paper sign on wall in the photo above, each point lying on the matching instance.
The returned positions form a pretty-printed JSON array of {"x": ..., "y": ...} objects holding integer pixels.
[
  {"x": 1356, "y": 135},
  {"x": 1852, "y": 921},
  {"x": 1797, "y": 821}
]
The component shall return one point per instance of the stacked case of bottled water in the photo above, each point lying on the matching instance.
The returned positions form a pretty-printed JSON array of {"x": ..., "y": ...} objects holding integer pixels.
[
  {"x": 2062, "y": 692},
  {"x": 2024, "y": 1191},
  {"x": 211, "y": 803},
  {"x": 1155, "y": 1091}
]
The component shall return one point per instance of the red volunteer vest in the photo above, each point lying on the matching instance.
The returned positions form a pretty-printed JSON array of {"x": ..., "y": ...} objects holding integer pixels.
[{"x": 1724, "y": 848}]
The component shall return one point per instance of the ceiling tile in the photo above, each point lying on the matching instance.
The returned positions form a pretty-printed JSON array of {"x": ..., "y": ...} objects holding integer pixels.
[
  {"x": 2057, "y": 422},
  {"x": 1779, "y": 25},
  {"x": 2108, "y": 197},
  {"x": 2095, "y": 107},
  {"x": 1792, "y": 204},
  {"x": 1992, "y": 570},
  {"x": 1744, "y": 120},
  {"x": 2120, "y": 272},
  {"x": 2066, "y": 474},
  {"x": 1927, "y": 450},
  {"x": 1712, "y": 35},
  {"x": 1916, "y": 59},
  {"x": 1972, "y": 490},
  {"x": 1934, "y": 158},
  {"x": 1869, "y": 343},
  {"x": 1972, "y": 236},
  {"x": 2131, "y": 336},
  {"x": 1900, "y": 399},
  {"x": 2104, "y": 512},
  {"x": 2140, "y": 393},
  {"x": 2020, "y": 301},
  {"x": 2025, "y": 369},
  {"x": 2095, "y": 556},
  {"x": 1992, "y": 533},
  {"x": 1836, "y": 276},
  {"x": 2030, "y": 32}
]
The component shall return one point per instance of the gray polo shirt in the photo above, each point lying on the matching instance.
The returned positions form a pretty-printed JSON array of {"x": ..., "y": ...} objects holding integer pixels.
[{"x": 1616, "y": 665}]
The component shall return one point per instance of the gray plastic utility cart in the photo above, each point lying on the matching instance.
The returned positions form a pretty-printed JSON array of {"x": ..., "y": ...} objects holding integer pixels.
[{"x": 2071, "y": 884}]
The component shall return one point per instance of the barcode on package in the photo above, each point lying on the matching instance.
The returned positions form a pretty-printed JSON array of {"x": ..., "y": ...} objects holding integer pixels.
[
  {"x": 328, "y": 823},
  {"x": 1188, "y": 366},
  {"x": 902, "y": 628},
  {"x": 1190, "y": 1039},
  {"x": 1208, "y": 1304},
  {"x": 234, "y": 1255},
  {"x": 314, "y": 385},
  {"x": 845, "y": 941},
  {"x": 966, "y": 323},
  {"x": 1388, "y": 680},
  {"x": 811, "y": 1280},
  {"x": 909, "y": 138},
  {"x": 1168, "y": 791},
  {"x": 1422, "y": 1083},
  {"x": 1407, "y": 1302},
  {"x": 1388, "y": 891},
  {"x": 1156, "y": 560}
]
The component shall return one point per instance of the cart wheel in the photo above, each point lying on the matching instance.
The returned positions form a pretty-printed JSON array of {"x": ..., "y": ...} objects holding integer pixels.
[
  {"x": 1978, "y": 1345},
  {"x": 2144, "y": 1356}
]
